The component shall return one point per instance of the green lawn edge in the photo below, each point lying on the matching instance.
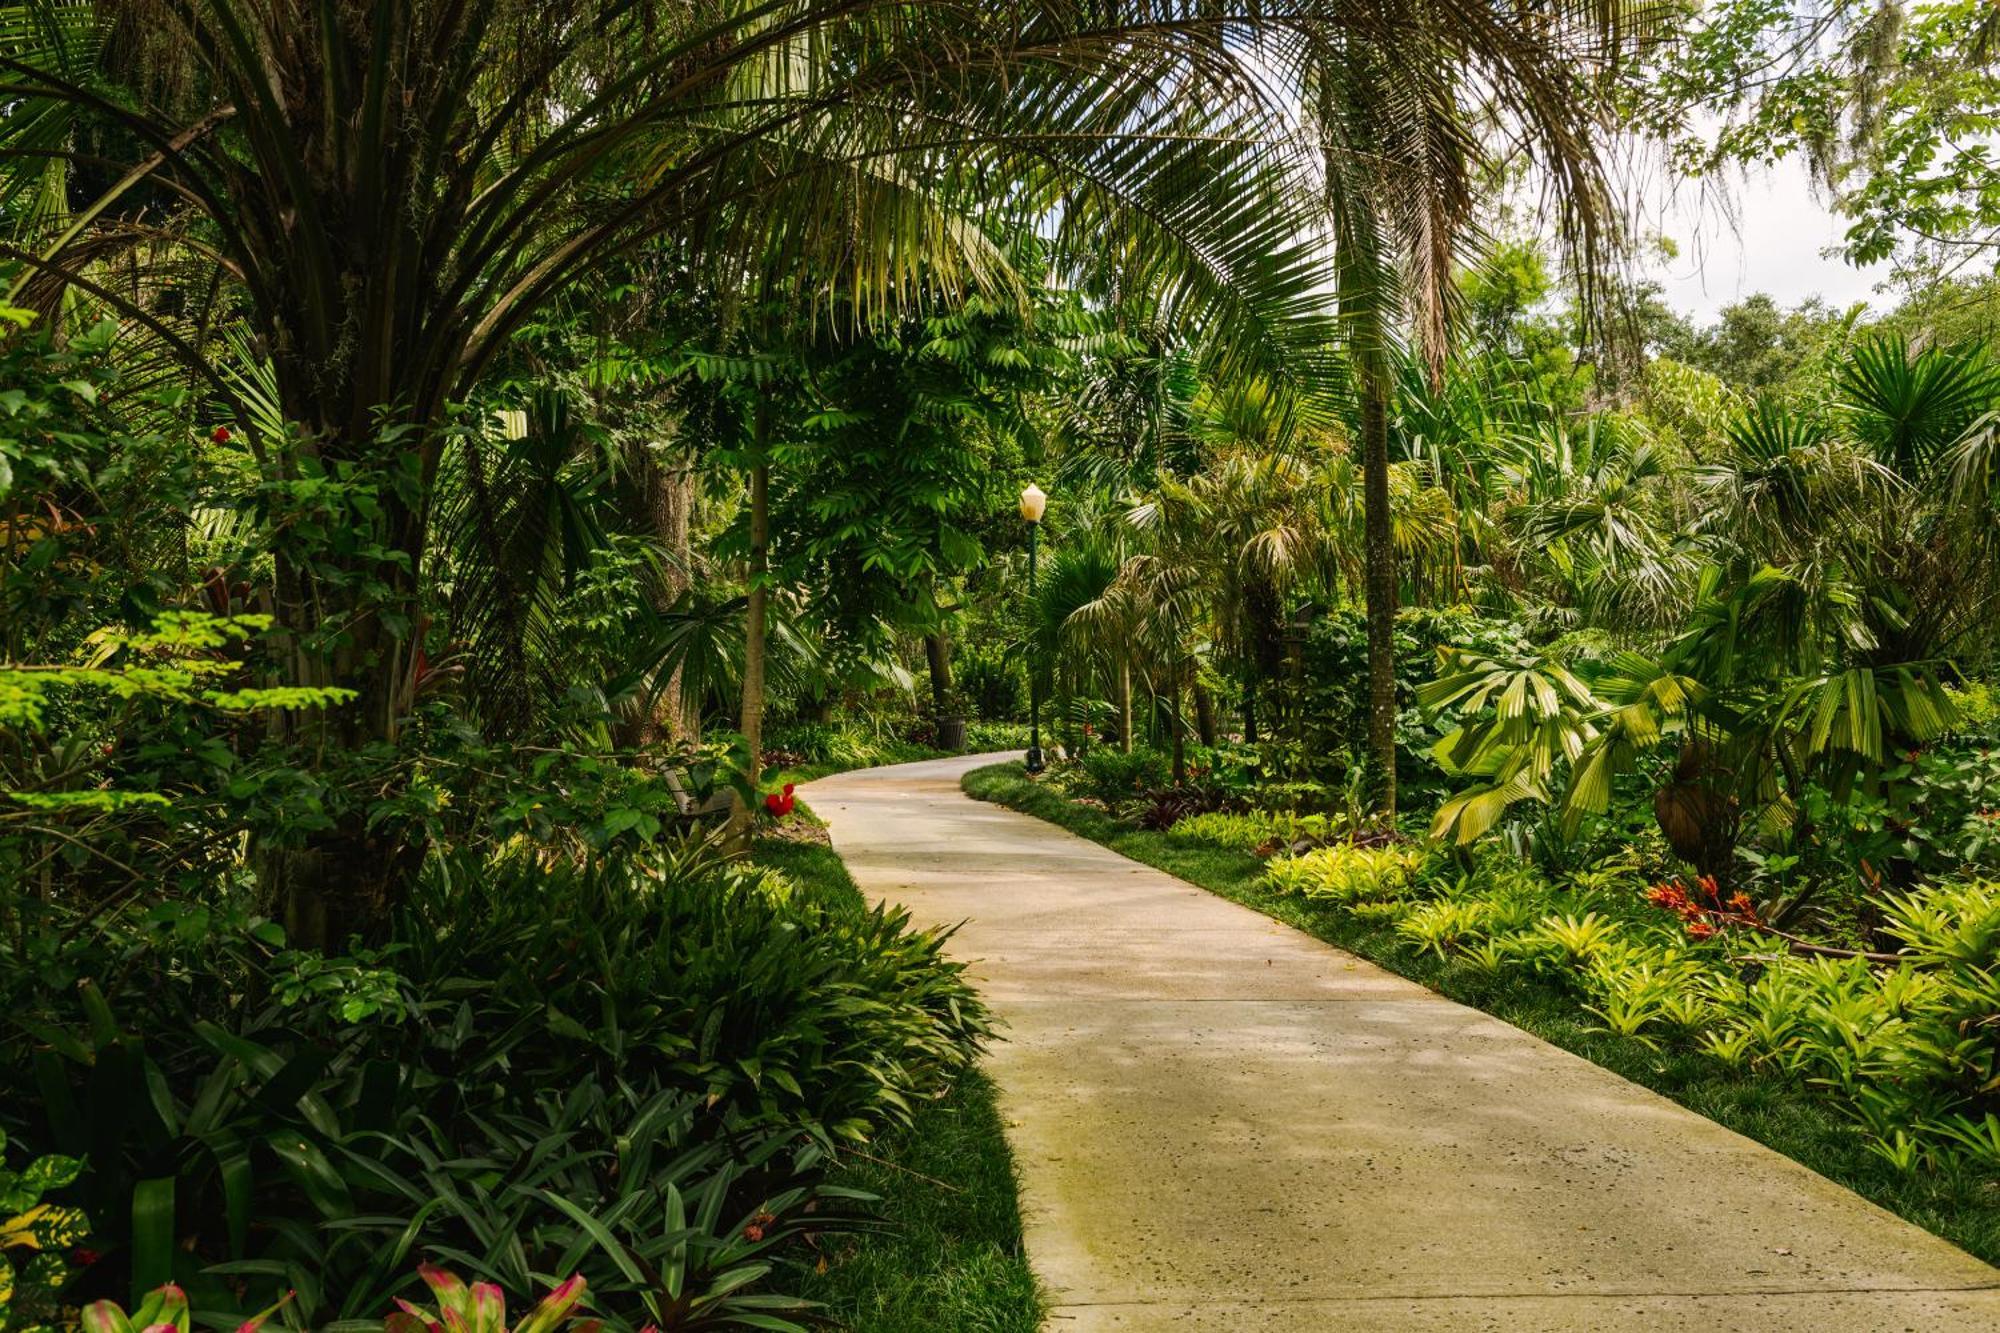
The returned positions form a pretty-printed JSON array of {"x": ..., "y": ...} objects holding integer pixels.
[
  {"x": 1783, "y": 1116},
  {"x": 953, "y": 1260}
]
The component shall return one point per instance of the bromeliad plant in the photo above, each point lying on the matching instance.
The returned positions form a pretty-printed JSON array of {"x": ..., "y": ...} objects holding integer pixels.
[
  {"x": 460, "y": 1308},
  {"x": 481, "y": 1308},
  {"x": 1346, "y": 874}
]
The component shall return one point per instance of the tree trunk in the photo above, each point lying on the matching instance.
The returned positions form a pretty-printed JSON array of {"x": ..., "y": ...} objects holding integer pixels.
[
  {"x": 343, "y": 881},
  {"x": 1180, "y": 736},
  {"x": 1362, "y": 285},
  {"x": 1381, "y": 582},
  {"x": 937, "y": 656},
  {"x": 1250, "y": 706},
  {"x": 752, "y": 718},
  {"x": 1204, "y": 715},
  {"x": 1125, "y": 703},
  {"x": 669, "y": 487},
  {"x": 660, "y": 503}
]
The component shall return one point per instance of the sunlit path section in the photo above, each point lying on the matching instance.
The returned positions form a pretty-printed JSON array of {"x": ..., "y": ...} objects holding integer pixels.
[{"x": 1224, "y": 1124}]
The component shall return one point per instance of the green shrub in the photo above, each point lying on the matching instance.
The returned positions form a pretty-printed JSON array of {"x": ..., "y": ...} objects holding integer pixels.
[
  {"x": 817, "y": 743},
  {"x": 799, "y": 1010},
  {"x": 1113, "y": 775},
  {"x": 1334, "y": 698},
  {"x": 1345, "y": 873},
  {"x": 1291, "y": 797},
  {"x": 987, "y": 737},
  {"x": 996, "y": 687},
  {"x": 1252, "y": 830},
  {"x": 536, "y": 1057},
  {"x": 671, "y": 1224}
]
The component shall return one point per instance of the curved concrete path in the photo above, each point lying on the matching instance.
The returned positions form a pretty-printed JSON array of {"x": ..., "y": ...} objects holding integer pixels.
[{"x": 1223, "y": 1124}]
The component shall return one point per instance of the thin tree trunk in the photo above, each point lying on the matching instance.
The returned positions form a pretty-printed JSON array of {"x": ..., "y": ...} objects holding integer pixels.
[
  {"x": 1125, "y": 703},
  {"x": 1250, "y": 705},
  {"x": 1180, "y": 735},
  {"x": 1381, "y": 583},
  {"x": 752, "y": 718},
  {"x": 344, "y": 880},
  {"x": 1360, "y": 283}
]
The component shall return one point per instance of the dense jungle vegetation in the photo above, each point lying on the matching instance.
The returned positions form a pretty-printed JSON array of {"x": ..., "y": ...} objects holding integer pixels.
[{"x": 462, "y": 465}]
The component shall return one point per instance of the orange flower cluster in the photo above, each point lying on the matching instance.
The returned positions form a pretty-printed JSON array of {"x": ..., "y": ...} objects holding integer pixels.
[{"x": 1703, "y": 908}]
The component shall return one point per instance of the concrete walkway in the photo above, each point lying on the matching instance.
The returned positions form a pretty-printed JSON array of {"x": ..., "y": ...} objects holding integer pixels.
[{"x": 1223, "y": 1124}]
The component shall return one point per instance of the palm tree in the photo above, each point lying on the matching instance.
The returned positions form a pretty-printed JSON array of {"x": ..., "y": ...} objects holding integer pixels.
[
  {"x": 389, "y": 193},
  {"x": 1408, "y": 126},
  {"x": 1256, "y": 528}
]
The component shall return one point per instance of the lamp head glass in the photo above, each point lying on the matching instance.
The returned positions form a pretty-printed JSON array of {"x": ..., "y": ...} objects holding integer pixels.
[{"x": 1033, "y": 503}]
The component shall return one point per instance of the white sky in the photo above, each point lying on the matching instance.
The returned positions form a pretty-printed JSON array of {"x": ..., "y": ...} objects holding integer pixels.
[{"x": 1768, "y": 237}]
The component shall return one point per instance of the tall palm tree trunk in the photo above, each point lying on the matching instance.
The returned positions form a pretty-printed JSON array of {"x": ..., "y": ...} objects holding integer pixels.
[
  {"x": 1361, "y": 282},
  {"x": 751, "y": 723},
  {"x": 1379, "y": 540}
]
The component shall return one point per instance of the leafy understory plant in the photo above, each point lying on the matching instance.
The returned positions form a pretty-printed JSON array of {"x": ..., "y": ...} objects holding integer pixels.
[
  {"x": 457, "y": 1307},
  {"x": 1448, "y": 925},
  {"x": 165, "y": 1310},
  {"x": 1569, "y": 941},
  {"x": 1347, "y": 874},
  {"x": 1253, "y": 830},
  {"x": 40, "y": 1233},
  {"x": 1637, "y": 991}
]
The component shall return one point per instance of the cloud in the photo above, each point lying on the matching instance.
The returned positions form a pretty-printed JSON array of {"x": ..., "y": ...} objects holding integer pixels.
[{"x": 1768, "y": 233}]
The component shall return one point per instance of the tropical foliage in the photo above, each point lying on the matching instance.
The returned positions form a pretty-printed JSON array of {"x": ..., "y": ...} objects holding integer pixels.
[{"x": 463, "y": 466}]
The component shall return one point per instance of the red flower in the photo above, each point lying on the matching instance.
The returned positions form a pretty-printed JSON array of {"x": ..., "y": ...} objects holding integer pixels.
[
  {"x": 1670, "y": 896},
  {"x": 1700, "y": 930},
  {"x": 780, "y": 803},
  {"x": 221, "y": 435}
]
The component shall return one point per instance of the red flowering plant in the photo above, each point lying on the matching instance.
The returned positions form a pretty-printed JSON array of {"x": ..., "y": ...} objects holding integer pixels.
[
  {"x": 779, "y": 803},
  {"x": 1703, "y": 909}
]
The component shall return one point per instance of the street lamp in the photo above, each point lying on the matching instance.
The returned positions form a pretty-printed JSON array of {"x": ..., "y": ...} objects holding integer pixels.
[{"x": 1033, "y": 504}]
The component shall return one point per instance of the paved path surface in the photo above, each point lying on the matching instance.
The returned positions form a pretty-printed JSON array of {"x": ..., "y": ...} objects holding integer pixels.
[{"x": 1223, "y": 1124}]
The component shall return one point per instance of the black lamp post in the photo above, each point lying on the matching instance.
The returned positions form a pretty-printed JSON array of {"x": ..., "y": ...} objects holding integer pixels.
[{"x": 1033, "y": 503}]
